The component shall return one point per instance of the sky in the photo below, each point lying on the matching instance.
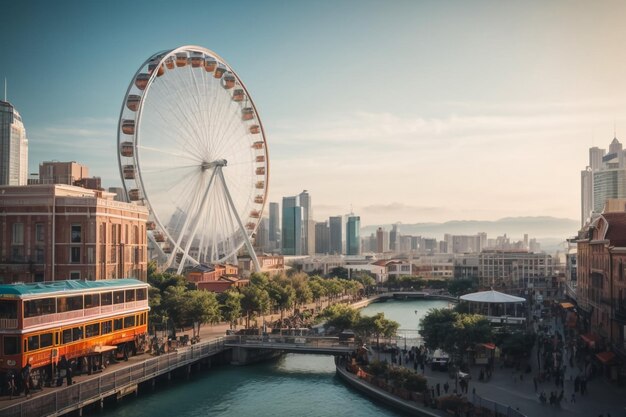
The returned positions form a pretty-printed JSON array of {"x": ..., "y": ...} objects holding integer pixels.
[{"x": 401, "y": 111}]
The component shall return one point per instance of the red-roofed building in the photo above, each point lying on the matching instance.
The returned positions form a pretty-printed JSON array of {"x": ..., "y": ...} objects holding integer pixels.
[{"x": 601, "y": 291}]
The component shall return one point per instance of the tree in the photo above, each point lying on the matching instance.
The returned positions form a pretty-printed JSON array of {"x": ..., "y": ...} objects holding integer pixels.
[
  {"x": 376, "y": 326},
  {"x": 437, "y": 326},
  {"x": 202, "y": 308},
  {"x": 281, "y": 296},
  {"x": 461, "y": 286},
  {"x": 340, "y": 317},
  {"x": 339, "y": 272},
  {"x": 230, "y": 305},
  {"x": 255, "y": 301},
  {"x": 174, "y": 301}
]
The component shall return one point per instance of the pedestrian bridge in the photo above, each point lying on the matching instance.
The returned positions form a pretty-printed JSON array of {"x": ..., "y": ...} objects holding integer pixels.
[{"x": 292, "y": 344}]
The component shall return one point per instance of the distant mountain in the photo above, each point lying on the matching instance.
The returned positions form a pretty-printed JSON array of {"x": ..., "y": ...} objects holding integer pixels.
[{"x": 541, "y": 227}]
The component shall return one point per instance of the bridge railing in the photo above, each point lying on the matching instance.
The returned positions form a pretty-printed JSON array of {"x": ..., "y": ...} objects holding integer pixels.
[
  {"x": 72, "y": 397},
  {"x": 275, "y": 340}
]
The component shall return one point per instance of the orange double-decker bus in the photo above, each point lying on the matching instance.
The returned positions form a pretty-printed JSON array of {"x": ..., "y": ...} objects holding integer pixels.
[{"x": 42, "y": 322}]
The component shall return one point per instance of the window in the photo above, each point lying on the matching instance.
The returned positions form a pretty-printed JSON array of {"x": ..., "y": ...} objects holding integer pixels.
[
  {"x": 77, "y": 333},
  {"x": 129, "y": 322},
  {"x": 34, "y": 308},
  {"x": 70, "y": 303},
  {"x": 75, "y": 275},
  {"x": 45, "y": 340},
  {"x": 141, "y": 294},
  {"x": 92, "y": 330},
  {"x": 67, "y": 336},
  {"x": 18, "y": 234},
  {"x": 130, "y": 295},
  {"x": 75, "y": 255},
  {"x": 11, "y": 345},
  {"x": 8, "y": 309},
  {"x": 76, "y": 233},
  {"x": 33, "y": 342},
  {"x": 117, "y": 324},
  {"x": 92, "y": 300},
  {"x": 106, "y": 327},
  {"x": 39, "y": 232},
  {"x": 118, "y": 297},
  {"x": 106, "y": 299},
  {"x": 39, "y": 255}
]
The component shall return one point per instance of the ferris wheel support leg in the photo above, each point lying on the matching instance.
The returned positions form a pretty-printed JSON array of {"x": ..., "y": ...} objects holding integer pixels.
[
  {"x": 196, "y": 221},
  {"x": 246, "y": 240}
]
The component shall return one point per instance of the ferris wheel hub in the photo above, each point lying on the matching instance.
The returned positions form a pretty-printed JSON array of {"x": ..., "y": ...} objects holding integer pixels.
[{"x": 213, "y": 164}]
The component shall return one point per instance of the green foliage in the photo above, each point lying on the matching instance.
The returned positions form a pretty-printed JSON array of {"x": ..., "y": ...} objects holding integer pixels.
[
  {"x": 339, "y": 272},
  {"x": 230, "y": 306},
  {"x": 201, "y": 307},
  {"x": 378, "y": 368},
  {"x": 415, "y": 382},
  {"x": 459, "y": 287},
  {"x": 517, "y": 344},
  {"x": 454, "y": 332},
  {"x": 255, "y": 300},
  {"x": 340, "y": 316},
  {"x": 377, "y": 326}
]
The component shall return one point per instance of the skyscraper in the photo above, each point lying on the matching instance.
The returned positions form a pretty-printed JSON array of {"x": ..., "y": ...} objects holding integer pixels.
[
  {"x": 603, "y": 178},
  {"x": 393, "y": 238},
  {"x": 336, "y": 235},
  {"x": 353, "y": 235},
  {"x": 274, "y": 236},
  {"x": 322, "y": 237},
  {"x": 13, "y": 147},
  {"x": 292, "y": 226},
  {"x": 382, "y": 240},
  {"x": 308, "y": 224}
]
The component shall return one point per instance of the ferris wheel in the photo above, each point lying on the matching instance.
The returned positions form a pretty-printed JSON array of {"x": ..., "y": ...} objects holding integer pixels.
[{"x": 192, "y": 149}]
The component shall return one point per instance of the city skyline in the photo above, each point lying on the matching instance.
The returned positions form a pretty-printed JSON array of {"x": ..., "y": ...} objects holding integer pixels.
[{"x": 491, "y": 105}]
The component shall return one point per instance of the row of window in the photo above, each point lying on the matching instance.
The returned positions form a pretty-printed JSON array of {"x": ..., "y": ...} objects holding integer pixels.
[
  {"x": 72, "y": 334},
  {"x": 43, "y": 306}
]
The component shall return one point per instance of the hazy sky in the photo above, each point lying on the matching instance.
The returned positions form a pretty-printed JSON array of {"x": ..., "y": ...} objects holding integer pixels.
[{"x": 407, "y": 111}]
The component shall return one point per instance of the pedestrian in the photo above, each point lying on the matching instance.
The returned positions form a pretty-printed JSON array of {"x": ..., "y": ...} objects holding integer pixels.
[
  {"x": 438, "y": 389},
  {"x": 68, "y": 374},
  {"x": 26, "y": 379},
  {"x": 432, "y": 392},
  {"x": 535, "y": 382},
  {"x": 446, "y": 387},
  {"x": 573, "y": 399}
]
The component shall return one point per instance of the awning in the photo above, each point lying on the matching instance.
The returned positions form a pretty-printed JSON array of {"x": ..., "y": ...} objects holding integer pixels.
[
  {"x": 590, "y": 339},
  {"x": 605, "y": 357},
  {"x": 567, "y": 305},
  {"x": 103, "y": 349},
  {"x": 490, "y": 346}
]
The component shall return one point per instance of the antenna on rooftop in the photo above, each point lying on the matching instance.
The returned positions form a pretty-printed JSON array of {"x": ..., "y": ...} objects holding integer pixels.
[{"x": 5, "y": 88}]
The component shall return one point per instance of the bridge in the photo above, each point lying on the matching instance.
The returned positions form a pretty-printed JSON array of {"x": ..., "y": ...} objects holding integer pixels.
[{"x": 292, "y": 344}]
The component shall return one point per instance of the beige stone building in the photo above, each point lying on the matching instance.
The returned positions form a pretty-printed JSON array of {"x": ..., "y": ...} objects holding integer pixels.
[{"x": 57, "y": 232}]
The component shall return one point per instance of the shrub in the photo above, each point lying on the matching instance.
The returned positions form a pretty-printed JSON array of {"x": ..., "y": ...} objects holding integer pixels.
[{"x": 415, "y": 383}]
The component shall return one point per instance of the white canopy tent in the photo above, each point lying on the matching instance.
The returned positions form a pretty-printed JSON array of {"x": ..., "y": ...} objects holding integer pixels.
[{"x": 492, "y": 297}]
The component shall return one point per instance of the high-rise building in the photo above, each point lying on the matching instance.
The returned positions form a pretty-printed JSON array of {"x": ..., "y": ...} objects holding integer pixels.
[
  {"x": 322, "y": 237},
  {"x": 308, "y": 224},
  {"x": 382, "y": 240},
  {"x": 393, "y": 238},
  {"x": 292, "y": 226},
  {"x": 261, "y": 240},
  {"x": 13, "y": 147},
  {"x": 603, "y": 179},
  {"x": 274, "y": 225},
  {"x": 336, "y": 235},
  {"x": 353, "y": 235}
]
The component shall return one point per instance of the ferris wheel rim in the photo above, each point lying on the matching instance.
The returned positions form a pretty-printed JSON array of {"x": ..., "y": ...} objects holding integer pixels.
[{"x": 136, "y": 141}]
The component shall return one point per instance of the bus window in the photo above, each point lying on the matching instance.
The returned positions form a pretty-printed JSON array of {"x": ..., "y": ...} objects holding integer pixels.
[
  {"x": 141, "y": 294},
  {"x": 118, "y": 297},
  {"x": 70, "y": 303},
  {"x": 130, "y": 295},
  {"x": 92, "y": 300},
  {"x": 129, "y": 321},
  {"x": 11, "y": 345},
  {"x": 117, "y": 324},
  {"x": 34, "y": 308},
  {"x": 33, "y": 342},
  {"x": 106, "y": 327},
  {"x": 92, "y": 330},
  {"x": 67, "y": 336},
  {"x": 8, "y": 309},
  {"x": 77, "y": 333},
  {"x": 45, "y": 340},
  {"x": 106, "y": 299}
]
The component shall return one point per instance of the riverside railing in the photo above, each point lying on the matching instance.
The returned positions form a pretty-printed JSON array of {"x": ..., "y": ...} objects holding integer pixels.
[
  {"x": 283, "y": 341},
  {"x": 497, "y": 408},
  {"x": 80, "y": 394}
]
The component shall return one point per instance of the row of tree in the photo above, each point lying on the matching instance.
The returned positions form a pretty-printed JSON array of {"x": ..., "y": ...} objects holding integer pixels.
[
  {"x": 453, "y": 286},
  {"x": 342, "y": 317},
  {"x": 175, "y": 301}
]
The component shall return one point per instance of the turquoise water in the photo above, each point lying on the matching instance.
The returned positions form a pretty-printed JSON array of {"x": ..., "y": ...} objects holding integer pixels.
[{"x": 294, "y": 385}]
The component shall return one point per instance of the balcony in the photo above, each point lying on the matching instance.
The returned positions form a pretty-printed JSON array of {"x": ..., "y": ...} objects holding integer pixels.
[{"x": 76, "y": 314}]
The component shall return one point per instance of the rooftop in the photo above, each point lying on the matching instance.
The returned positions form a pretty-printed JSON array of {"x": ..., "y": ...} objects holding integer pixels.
[{"x": 48, "y": 287}]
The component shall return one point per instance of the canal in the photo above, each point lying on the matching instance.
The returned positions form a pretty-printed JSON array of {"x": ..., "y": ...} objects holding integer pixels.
[{"x": 297, "y": 385}]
